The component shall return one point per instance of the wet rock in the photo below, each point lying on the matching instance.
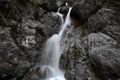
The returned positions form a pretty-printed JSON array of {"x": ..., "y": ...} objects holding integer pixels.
[
  {"x": 102, "y": 49},
  {"x": 64, "y": 10},
  {"x": 89, "y": 57},
  {"x": 39, "y": 72},
  {"x": 74, "y": 59}
]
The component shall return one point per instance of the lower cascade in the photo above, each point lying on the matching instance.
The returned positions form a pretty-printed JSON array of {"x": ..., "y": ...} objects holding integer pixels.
[{"x": 52, "y": 52}]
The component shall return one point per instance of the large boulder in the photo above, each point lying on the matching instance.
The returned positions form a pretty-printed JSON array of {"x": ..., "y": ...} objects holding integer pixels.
[
  {"x": 85, "y": 8},
  {"x": 104, "y": 42},
  {"x": 104, "y": 56},
  {"x": 107, "y": 21}
]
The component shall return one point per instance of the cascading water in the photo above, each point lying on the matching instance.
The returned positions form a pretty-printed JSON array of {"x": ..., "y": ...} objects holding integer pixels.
[{"x": 52, "y": 52}]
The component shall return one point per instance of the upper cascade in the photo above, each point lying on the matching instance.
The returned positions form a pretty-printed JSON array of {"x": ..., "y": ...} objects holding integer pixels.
[{"x": 52, "y": 52}]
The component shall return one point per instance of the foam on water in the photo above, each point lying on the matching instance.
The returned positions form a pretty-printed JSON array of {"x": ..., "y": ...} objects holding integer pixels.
[{"x": 57, "y": 78}]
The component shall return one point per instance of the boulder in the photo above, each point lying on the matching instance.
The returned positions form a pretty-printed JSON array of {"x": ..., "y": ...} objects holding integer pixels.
[
  {"x": 106, "y": 20},
  {"x": 64, "y": 10},
  {"x": 86, "y": 8},
  {"x": 104, "y": 56}
]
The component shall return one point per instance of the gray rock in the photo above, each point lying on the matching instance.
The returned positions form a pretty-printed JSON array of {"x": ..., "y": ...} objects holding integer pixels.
[
  {"x": 105, "y": 20},
  {"x": 64, "y": 10},
  {"x": 22, "y": 39},
  {"x": 104, "y": 56},
  {"x": 49, "y": 5},
  {"x": 91, "y": 51},
  {"x": 74, "y": 59},
  {"x": 86, "y": 8},
  {"x": 13, "y": 61},
  {"x": 104, "y": 47}
]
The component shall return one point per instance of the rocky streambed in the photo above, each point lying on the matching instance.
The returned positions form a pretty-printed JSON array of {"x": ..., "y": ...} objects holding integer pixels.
[{"x": 91, "y": 47}]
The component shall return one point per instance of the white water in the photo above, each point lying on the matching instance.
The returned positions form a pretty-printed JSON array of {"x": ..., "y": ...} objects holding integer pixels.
[
  {"x": 53, "y": 51},
  {"x": 60, "y": 15}
]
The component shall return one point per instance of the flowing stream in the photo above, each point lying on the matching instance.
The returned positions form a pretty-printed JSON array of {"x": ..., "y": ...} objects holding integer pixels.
[{"x": 52, "y": 52}]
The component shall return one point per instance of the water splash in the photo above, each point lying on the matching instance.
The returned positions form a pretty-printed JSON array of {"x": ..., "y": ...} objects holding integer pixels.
[
  {"x": 53, "y": 51},
  {"x": 60, "y": 15}
]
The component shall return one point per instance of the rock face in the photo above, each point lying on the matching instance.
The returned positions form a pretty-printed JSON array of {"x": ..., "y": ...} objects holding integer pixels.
[
  {"x": 104, "y": 42},
  {"x": 104, "y": 56},
  {"x": 84, "y": 9},
  {"x": 22, "y": 37},
  {"x": 49, "y": 5},
  {"x": 91, "y": 45},
  {"x": 100, "y": 27},
  {"x": 74, "y": 60}
]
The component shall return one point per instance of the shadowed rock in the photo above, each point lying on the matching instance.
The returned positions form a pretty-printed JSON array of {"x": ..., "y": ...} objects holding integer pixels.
[{"x": 85, "y": 8}]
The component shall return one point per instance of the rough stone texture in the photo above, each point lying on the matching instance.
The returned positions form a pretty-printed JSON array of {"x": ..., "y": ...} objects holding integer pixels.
[
  {"x": 104, "y": 56},
  {"x": 86, "y": 8},
  {"x": 91, "y": 50},
  {"x": 13, "y": 61},
  {"x": 24, "y": 30},
  {"x": 104, "y": 46},
  {"x": 64, "y": 10},
  {"x": 74, "y": 60},
  {"x": 49, "y": 5}
]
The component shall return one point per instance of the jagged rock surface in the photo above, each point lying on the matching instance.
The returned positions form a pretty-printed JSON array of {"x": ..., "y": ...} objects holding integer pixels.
[{"x": 91, "y": 49}]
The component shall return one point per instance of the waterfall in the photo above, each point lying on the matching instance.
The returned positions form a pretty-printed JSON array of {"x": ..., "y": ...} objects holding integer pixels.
[{"x": 52, "y": 51}]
